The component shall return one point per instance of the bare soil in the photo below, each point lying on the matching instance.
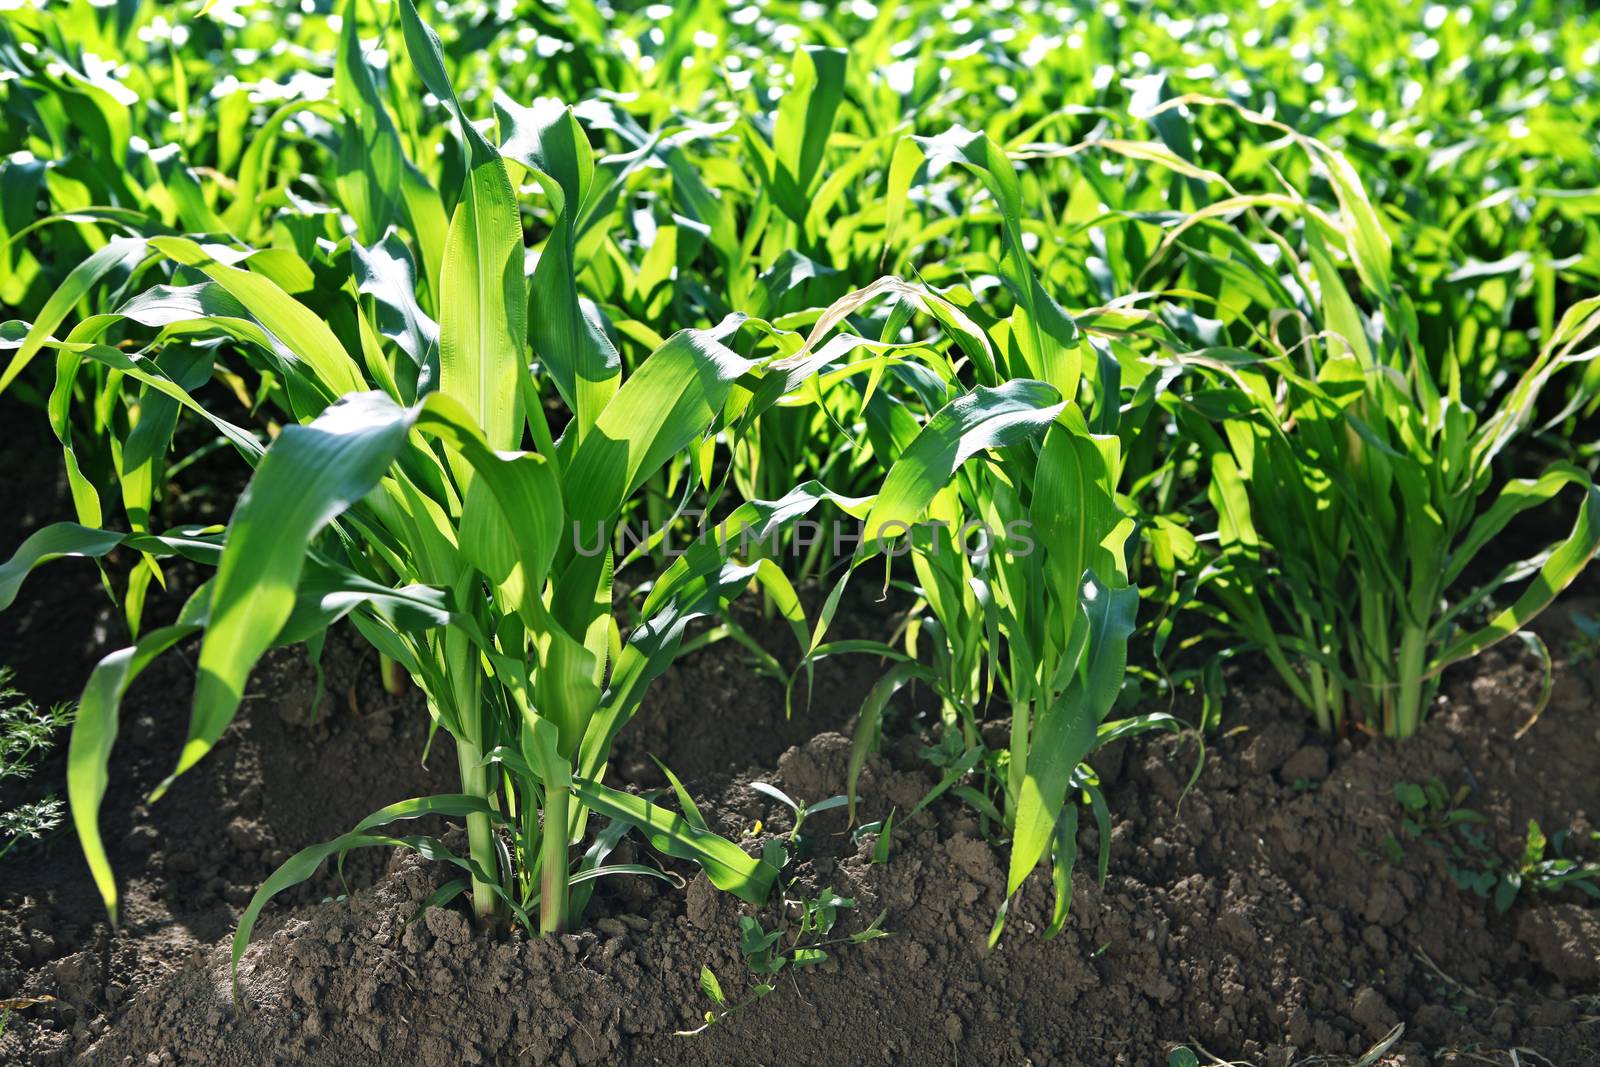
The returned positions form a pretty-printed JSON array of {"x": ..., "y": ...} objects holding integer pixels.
[{"x": 1257, "y": 916}]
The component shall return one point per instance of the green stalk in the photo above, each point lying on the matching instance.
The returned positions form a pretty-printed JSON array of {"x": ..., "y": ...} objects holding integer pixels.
[
  {"x": 657, "y": 514},
  {"x": 1410, "y": 683},
  {"x": 462, "y": 671},
  {"x": 480, "y": 833},
  {"x": 394, "y": 675},
  {"x": 553, "y": 874},
  {"x": 1319, "y": 698},
  {"x": 1371, "y": 656},
  {"x": 1290, "y": 676},
  {"x": 1017, "y": 770}
]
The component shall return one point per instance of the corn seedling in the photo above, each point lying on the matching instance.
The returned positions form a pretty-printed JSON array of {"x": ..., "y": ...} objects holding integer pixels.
[
  {"x": 1019, "y": 554},
  {"x": 460, "y": 341},
  {"x": 483, "y": 570},
  {"x": 1355, "y": 489}
]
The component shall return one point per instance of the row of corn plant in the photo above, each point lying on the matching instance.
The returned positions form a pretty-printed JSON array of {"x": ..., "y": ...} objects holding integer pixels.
[
  {"x": 484, "y": 570},
  {"x": 1352, "y": 486},
  {"x": 1169, "y": 338}
]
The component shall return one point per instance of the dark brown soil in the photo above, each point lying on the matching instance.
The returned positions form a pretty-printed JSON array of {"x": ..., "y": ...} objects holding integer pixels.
[{"x": 1258, "y": 916}]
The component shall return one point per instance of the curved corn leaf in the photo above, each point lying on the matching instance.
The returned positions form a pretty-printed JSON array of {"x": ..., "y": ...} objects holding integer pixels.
[
  {"x": 1563, "y": 564},
  {"x": 1515, "y": 497},
  {"x": 482, "y": 315},
  {"x": 68, "y": 539},
  {"x": 871, "y": 715},
  {"x": 728, "y": 867},
  {"x": 300, "y": 330},
  {"x": 94, "y": 731},
  {"x": 984, "y": 418},
  {"x": 118, "y": 253},
  {"x": 309, "y": 475},
  {"x": 524, "y": 522},
  {"x": 385, "y": 273},
  {"x": 325, "y": 594},
  {"x": 670, "y": 401},
  {"x": 549, "y": 142},
  {"x": 805, "y": 118},
  {"x": 52, "y": 542}
]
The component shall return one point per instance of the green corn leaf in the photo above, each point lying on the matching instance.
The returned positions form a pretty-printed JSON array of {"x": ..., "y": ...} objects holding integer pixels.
[
  {"x": 1111, "y": 611},
  {"x": 370, "y": 158},
  {"x": 299, "y": 329},
  {"x": 1368, "y": 242},
  {"x": 325, "y": 594},
  {"x": 385, "y": 273},
  {"x": 481, "y": 306},
  {"x": 984, "y": 418},
  {"x": 1563, "y": 564},
  {"x": 482, "y": 309},
  {"x": 871, "y": 715},
  {"x": 309, "y": 475},
  {"x": 1073, "y": 512},
  {"x": 549, "y": 142},
  {"x": 728, "y": 867},
  {"x": 119, "y": 253},
  {"x": 1065, "y": 854},
  {"x": 303, "y": 864},
  {"x": 68, "y": 539},
  {"x": 524, "y": 522},
  {"x": 671, "y": 400},
  {"x": 806, "y": 114},
  {"x": 52, "y": 542},
  {"x": 691, "y": 811},
  {"x": 94, "y": 731},
  {"x": 1047, "y": 335},
  {"x": 1517, "y": 496},
  {"x": 1065, "y": 732}
]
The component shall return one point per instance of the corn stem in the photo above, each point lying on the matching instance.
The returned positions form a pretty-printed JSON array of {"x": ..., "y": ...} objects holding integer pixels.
[
  {"x": 394, "y": 675},
  {"x": 1410, "y": 684},
  {"x": 480, "y": 833},
  {"x": 553, "y": 877}
]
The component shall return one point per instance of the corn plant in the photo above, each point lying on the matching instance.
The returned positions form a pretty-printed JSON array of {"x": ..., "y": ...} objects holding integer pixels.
[
  {"x": 1353, "y": 488},
  {"x": 484, "y": 570},
  {"x": 1006, "y": 501}
]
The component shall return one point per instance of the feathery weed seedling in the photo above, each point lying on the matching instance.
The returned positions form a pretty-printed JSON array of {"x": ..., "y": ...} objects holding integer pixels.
[{"x": 27, "y": 733}]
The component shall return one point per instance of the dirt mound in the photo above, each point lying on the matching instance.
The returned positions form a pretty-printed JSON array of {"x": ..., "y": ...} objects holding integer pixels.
[{"x": 1257, "y": 916}]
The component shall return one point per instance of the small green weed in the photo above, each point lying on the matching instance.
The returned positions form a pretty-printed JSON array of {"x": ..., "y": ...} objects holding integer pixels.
[
  {"x": 26, "y": 735},
  {"x": 1438, "y": 818},
  {"x": 765, "y": 953}
]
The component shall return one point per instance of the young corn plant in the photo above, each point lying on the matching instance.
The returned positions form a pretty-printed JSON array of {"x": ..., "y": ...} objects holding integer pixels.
[
  {"x": 484, "y": 570},
  {"x": 1020, "y": 556},
  {"x": 1020, "y": 566},
  {"x": 1355, "y": 490}
]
